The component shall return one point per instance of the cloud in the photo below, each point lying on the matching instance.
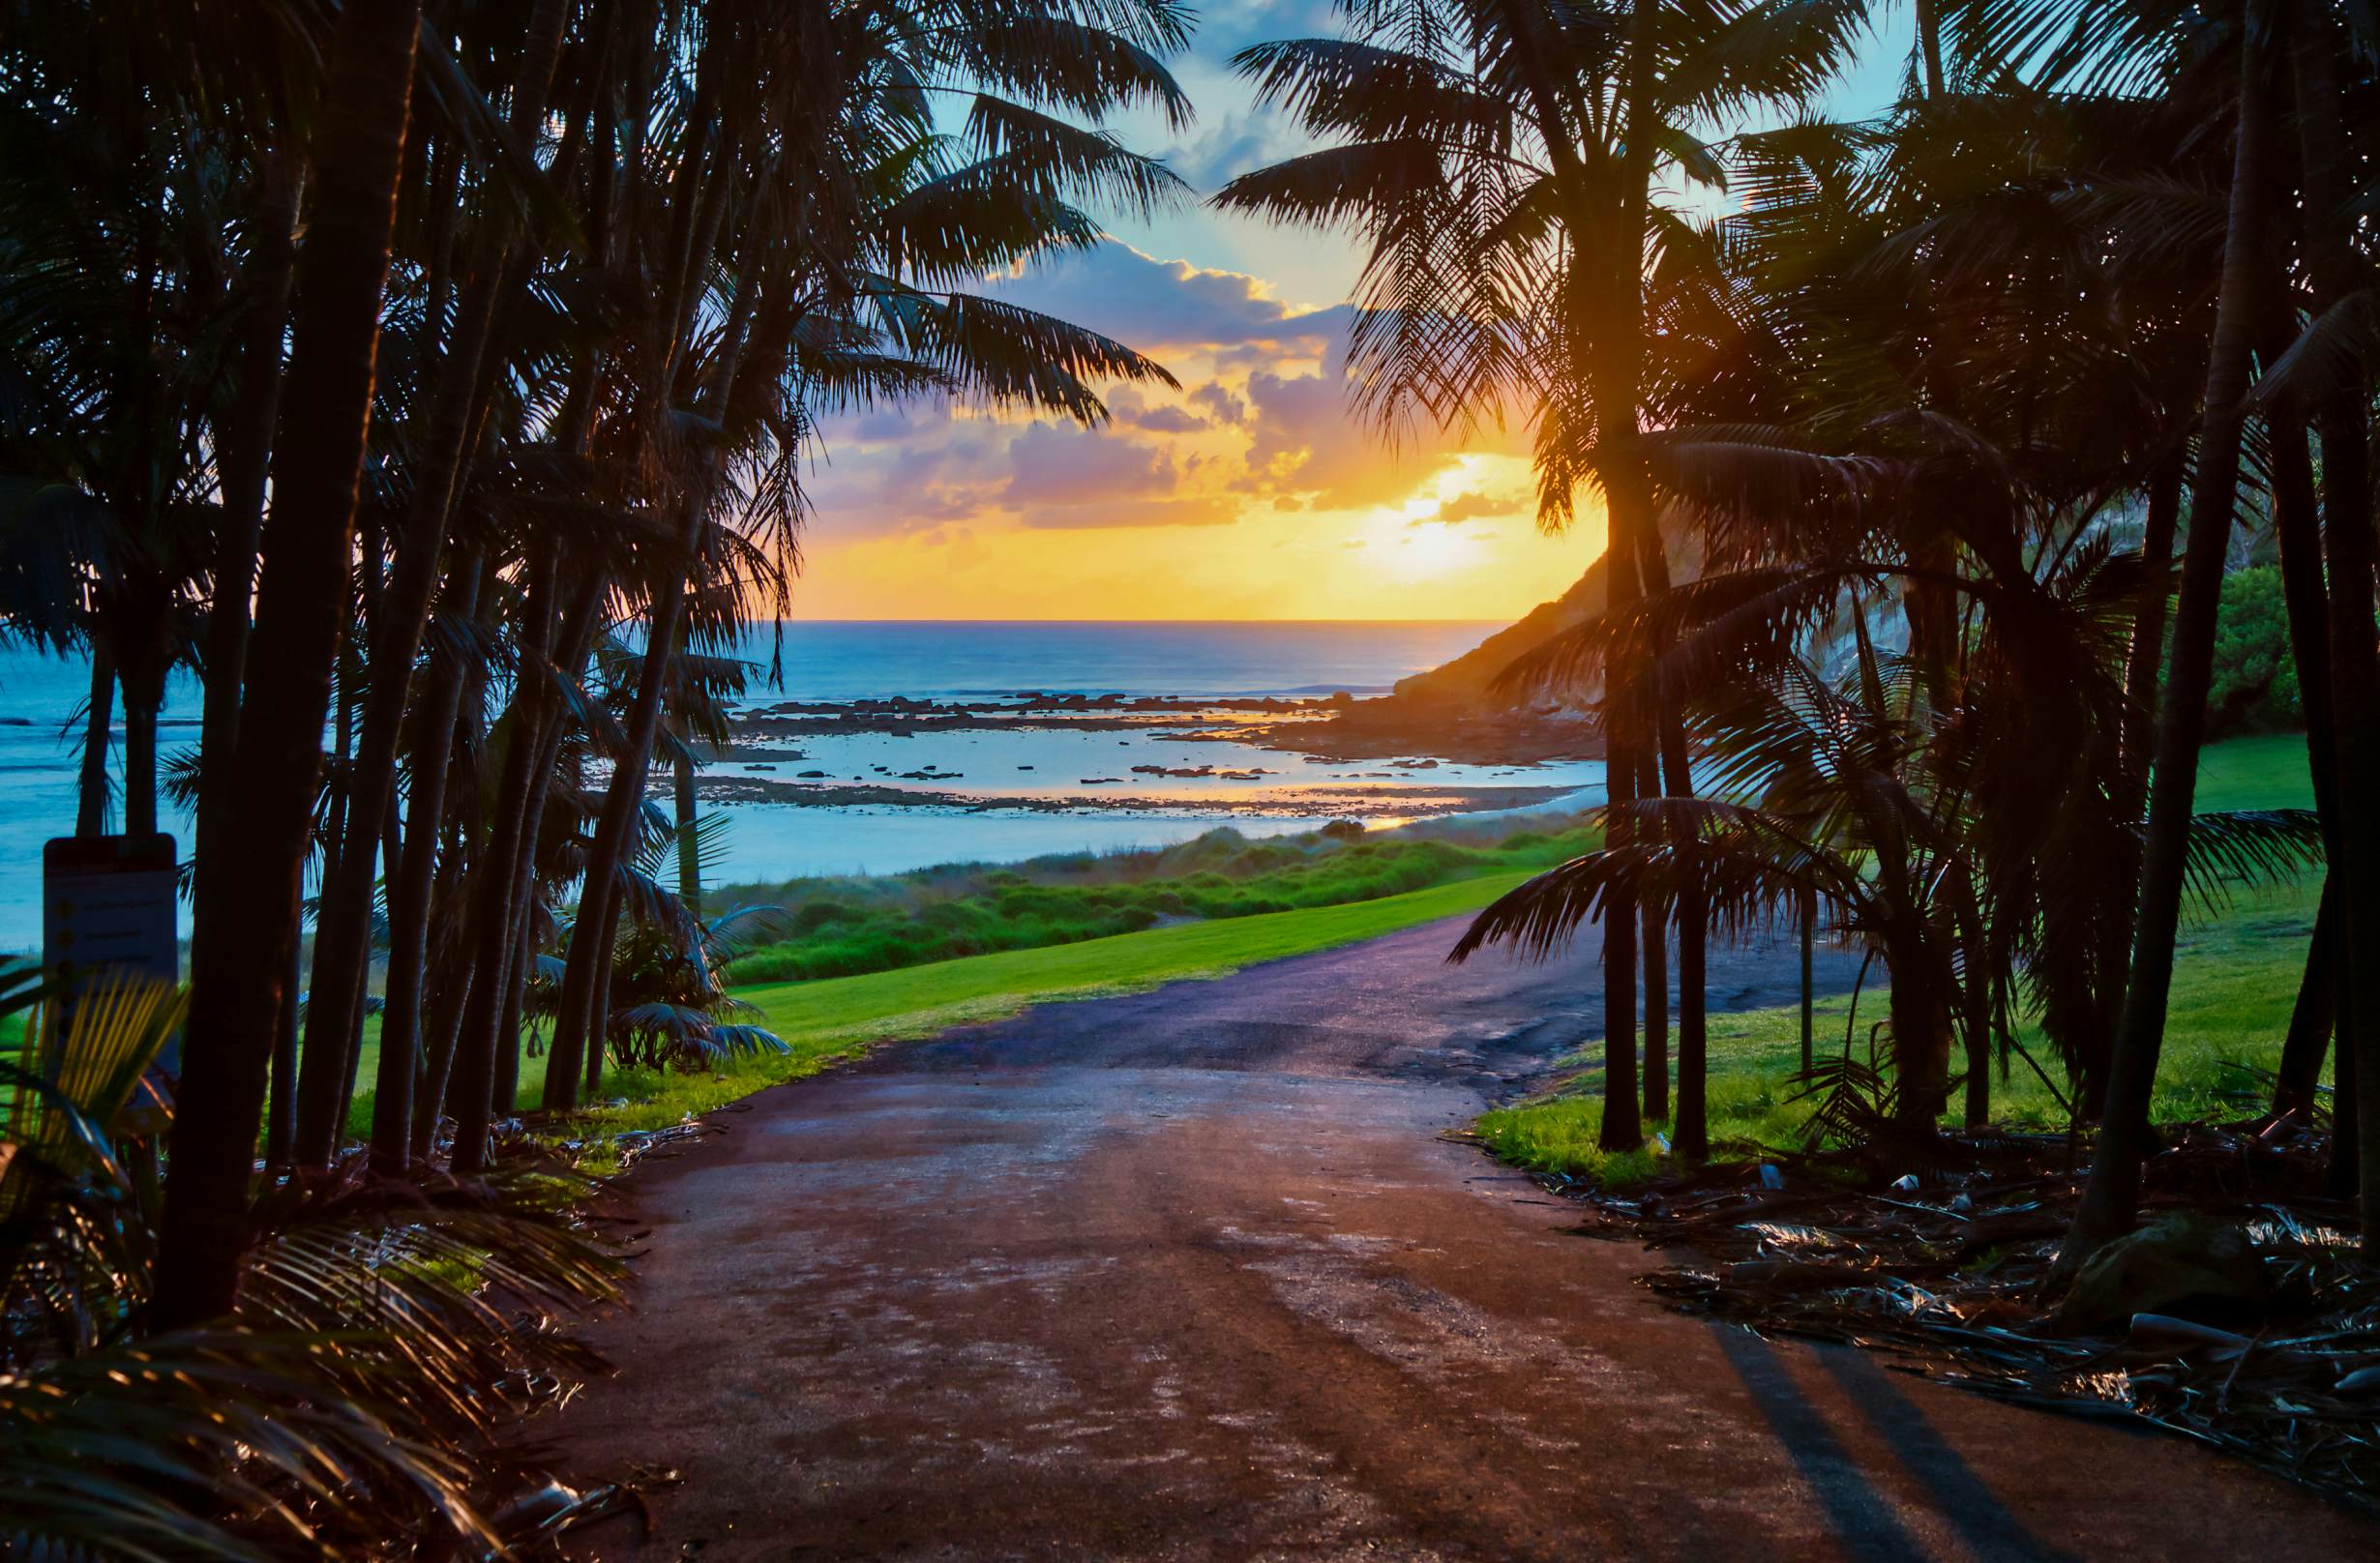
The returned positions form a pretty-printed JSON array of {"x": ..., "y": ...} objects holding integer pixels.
[
  {"x": 1079, "y": 479},
  {"x": 1226, "y": 26},
  {"x": 1051, "y": 465},
  {"x": 1219, "y": 402},
  {"x": 1168, "y": 421},
  {"x": 1308, "y": 442},
  {"x": 1155, "y": 305},
  {"x": 1263, "y": 430},
  {"x": 882, "y": 474},
  {"x": 1131, "y": 409},
  {"x": 896, "y": 422},
  {"x": 1468, "y": 508},
  {"x": 1237, "y": 142},
  {"x": 1209, "y": 510}
]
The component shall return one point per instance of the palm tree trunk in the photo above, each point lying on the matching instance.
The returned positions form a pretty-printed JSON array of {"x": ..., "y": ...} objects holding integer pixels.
[
  {"x": 2297, "y": 529},
  {"x": 2343, "y": 416},
  {"x": 451, "y": 971},
  {"x": 1691, "y": 1129},
  {"x": 599, "y": 1002},
  {"x": 689, "y": 850},
  {"x": 506, "y": 1094},
  {"x": 2297, "y": 1083},
  {"x": 1976, "y": 1004},
  {"x": 1690, "y": 1133},
  {"x": 139, "y": 766},
  {"x": 99, "y": 721},
  {"x": 2341, "y": 1176},
  {"x": 1809, "y": 1008},
  {"x": 1621, "y": 1129},
  {"x": 1920, "y": 1001},
  {"x": 246, "y": 910},
  {"x": 1627, "y": 508},
  {"x": 2112, "y": 1195},
  {"x": 247, "y": 448},
  {"x": 499, "y": 911},
  {"x": 1654, "y": 935},
  {"x": 391, "y": 847},
  {"x": 409, "y": 890},
  {"x": 280, "y": 1119},
  {"x": 325, "y": 1079},
  {"x": 464, "y": 383},
  {"x": 2144, "y": 657},
  {"x": 460, "y": 973}
]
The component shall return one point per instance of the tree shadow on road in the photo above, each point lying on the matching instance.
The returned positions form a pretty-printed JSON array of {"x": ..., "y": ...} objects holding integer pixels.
[{"x": 1861, "y": 1512}]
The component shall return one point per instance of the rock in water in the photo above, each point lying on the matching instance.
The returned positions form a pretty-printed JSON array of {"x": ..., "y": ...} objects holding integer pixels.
[{"x": 2188, "y": 1264}]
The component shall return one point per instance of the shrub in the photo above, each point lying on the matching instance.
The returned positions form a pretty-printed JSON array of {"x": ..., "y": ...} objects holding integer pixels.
[{"x": 2255, "y": 677}]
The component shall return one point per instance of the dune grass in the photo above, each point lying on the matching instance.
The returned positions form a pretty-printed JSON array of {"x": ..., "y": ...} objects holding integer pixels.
[
  {"x": 838, "y": 1017},
  {"x": 2235, "y": 979}
]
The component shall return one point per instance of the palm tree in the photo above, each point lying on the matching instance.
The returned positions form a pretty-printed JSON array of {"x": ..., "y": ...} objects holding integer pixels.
[
  {"x": 464, "y": 377},
  {"x": 2344, "y": 418},
  {"x": 1861, "y": 813},
  {"x": 454, "y": 387},
  {"x": 883, "y": 319},
  {"x": 1499, "y": 163},
  {"x": 2109, "y": 1198},
  {"x": 245, "y": 918},
  {"x": 1869, "y": 798}
]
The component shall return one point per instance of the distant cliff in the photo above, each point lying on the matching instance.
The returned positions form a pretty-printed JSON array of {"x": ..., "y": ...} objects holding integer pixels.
[{"x": 1465, "y": 679}]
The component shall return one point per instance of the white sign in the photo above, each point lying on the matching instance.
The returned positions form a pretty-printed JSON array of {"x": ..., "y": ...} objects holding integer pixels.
[{"x": 107, "y": 903}]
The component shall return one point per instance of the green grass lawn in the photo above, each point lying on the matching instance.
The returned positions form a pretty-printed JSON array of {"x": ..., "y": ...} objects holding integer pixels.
[
  {"x": 836, "y": 1017},
  {"x": 2264, "y": 771},
  {"x": 853, "y": 926},
  {"x": 2235, "y": 978}
]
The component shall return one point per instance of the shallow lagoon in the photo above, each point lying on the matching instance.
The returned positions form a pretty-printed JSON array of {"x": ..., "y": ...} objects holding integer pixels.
[{"x": 41, "y": 697}]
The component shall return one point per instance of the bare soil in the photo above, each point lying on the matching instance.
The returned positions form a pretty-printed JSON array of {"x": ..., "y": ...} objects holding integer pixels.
[{"x": 1190, "y": 1275}]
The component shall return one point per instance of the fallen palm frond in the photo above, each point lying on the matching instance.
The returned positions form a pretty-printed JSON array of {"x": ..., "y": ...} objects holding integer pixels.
[
  {"x": 384, "y": 1327},
  {"x": 1947, "y": 1265}
]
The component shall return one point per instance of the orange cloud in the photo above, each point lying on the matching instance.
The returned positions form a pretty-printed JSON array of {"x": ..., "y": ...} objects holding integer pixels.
[{"x": 1252, "y": 491}]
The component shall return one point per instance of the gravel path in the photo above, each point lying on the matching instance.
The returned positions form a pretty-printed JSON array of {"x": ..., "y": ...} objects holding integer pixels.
[{"x": 1189, "y": 1274}]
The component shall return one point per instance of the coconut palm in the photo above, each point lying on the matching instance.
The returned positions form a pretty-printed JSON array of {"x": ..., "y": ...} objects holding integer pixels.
[
  {"x": 559, "y": 330},
  {"x": 609, "y": 322},
  {"x": 1874, "y": 795},
  {"x": 871, "y": 311},
  {"x": 1499, "y": 163}
]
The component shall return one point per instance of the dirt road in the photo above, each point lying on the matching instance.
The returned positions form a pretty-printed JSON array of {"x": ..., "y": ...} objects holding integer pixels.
[{"x": 1190, "y": 1276}]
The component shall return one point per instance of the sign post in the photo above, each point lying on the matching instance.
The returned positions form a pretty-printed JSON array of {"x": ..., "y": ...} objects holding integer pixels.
[{"x": 107, "y": 904}]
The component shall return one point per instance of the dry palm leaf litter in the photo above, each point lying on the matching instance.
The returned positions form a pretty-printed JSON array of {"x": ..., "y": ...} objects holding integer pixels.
[{"x": 2238, "y": 1313}]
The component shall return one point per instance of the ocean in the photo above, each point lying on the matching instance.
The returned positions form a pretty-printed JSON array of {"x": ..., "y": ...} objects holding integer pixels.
[{"x": 40, "y": 698}]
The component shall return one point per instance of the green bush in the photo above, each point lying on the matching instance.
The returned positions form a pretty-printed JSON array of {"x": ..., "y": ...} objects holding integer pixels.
[{"x": 2255, "y": 677}]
